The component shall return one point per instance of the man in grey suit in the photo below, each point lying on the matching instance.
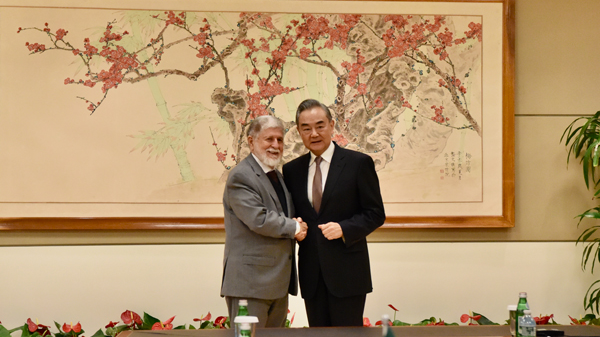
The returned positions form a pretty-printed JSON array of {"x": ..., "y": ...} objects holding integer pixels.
[{"x": 260, "y": 233}]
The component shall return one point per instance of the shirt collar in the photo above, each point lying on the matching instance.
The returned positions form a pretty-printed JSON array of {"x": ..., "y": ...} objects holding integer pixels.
[
  {"x": 327, "y": 155},
  {"x": 265, "y": 168}
]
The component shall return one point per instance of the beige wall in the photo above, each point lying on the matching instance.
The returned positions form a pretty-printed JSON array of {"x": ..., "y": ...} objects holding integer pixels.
[
  {"x": 557, "y": 47},
  {"x": 95, "y": 284}
]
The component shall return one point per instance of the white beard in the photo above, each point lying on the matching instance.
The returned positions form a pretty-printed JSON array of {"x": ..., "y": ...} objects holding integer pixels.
[{"x": 271, "y": 162}]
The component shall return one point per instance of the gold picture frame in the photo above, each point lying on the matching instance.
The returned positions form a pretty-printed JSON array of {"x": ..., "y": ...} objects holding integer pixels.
[{"x": 490, "y": 203}]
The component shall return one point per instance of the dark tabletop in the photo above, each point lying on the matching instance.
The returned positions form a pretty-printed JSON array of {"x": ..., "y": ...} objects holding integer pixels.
[{"x": 399, "y": 331}]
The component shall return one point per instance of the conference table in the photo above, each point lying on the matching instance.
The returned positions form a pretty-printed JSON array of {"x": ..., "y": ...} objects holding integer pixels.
[{"x": 399, "y": 331}]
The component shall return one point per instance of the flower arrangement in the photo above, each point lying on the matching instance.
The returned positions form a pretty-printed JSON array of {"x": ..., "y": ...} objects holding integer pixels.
[{"x": 132, "y": 321}]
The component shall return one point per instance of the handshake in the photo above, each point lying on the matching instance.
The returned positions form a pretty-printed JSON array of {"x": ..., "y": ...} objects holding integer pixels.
[
  {"x": 303, "y": 229},
  {"x": 331, "y": 230}
]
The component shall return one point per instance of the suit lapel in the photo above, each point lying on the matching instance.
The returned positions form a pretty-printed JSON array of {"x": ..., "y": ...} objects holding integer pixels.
[
  {"x": 335, "y": 170},
  {"x": 288, "y": 196},
  {"x": 302, "y": 176},
  {"x": 262, "y": 177}
]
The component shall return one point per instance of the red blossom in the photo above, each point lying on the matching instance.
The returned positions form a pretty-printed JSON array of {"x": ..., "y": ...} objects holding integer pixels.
[
  {"x": 405, "y": 103},
  {"x": 439, "y": 114},
  {"x": 205, "y": 52},
  {"x": 362, "y": 89},
  {"x": 112, "y": 324},
  {"x": 542, "y": 320},
  {"x": 35, "y": 47},
  {"x": 221, "y": 156},
  {"x": 70, "y": 327},
  {"x": 366, "y": 322},
  {"x": 42, "y": 330},
  {"x": 340, "y": 140},
  {"x": 576, "y": 321},
  {"x": 393, "y": 308},
  {"x": 220, "y": 322},
  {"x": 130, "y": 318},
  {"x": 476, "y": 31},
  {"x": 175, "y": 20},
  {"x": 166, "y": 325},
  {"x": 205, "y": 318},
  {"x": 381, "y": 323},
  {"x": 305, "y": 53},
  {"x": 200, "y": 38},
  {"x": 60, "y": 34}
]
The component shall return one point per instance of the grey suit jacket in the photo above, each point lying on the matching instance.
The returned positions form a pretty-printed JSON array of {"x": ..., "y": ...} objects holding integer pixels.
[{"x": 259, "y": 259}]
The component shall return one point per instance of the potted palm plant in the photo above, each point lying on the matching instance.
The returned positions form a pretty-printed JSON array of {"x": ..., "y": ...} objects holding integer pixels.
[{"x": 583, "y": 142}]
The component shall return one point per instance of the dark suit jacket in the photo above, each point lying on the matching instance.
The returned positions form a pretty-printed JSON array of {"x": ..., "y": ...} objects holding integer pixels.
[
  {"x": 351, "y": 198},
  {"x": 259, "y": 254}
]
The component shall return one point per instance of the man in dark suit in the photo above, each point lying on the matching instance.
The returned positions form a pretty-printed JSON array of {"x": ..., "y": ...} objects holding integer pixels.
[
  {"x": 336, "y": 191},
  {"x": 259, "y": 262}
]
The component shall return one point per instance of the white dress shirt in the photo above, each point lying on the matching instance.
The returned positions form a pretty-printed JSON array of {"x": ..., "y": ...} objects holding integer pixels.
[{"x": 327, "y": 155}]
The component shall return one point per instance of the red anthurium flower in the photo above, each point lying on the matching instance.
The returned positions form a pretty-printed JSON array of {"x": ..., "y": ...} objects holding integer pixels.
[
  {"x": 41, "y": 329},
  {"x": 292, "y": 320},
  {"x": 576, "y": 322},
  {"x": 542, "y": 320},
  {"x": 366, "y": 321},
  {"x": 464, "y": 318},
  {"x": 166, "y": 325},
  {"x": 381, "y": 323},
  {"x": 391, "y": 306},
  {"x": 220, "y": 322},
  {"x": 130, "y": 318},
  {"x": 112, "y": 324},
  {"x": 205, "y": 318},
  {"x": 31, "y": 326},
  {"x": 70, "y": 327}
]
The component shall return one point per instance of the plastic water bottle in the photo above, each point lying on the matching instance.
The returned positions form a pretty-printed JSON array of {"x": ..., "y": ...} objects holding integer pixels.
[
  {"x": 243, "y": 308},
  {"x": 527, "y": 325},
  {"x": 385, "y": 326},
  {"x": 245, "y": 330},
  {"x": 521, "y": 307}
]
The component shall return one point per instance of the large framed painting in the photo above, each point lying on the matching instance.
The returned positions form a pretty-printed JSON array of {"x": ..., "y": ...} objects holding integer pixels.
[{"x": 130, "y": 114}]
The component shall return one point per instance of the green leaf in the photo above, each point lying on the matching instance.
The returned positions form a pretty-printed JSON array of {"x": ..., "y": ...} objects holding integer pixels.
[
  {"x": 99, "y": 333},
  {"x": 25, "y": 331},
  {"x": 400, "y": 323},
  {"x": 205, "y": 324},
  {"x": 179, "y": 327},
  {"x": 484, "y": 320},
  {"x": 149, "y": 321},
  {"x": 4, "y": 332}
]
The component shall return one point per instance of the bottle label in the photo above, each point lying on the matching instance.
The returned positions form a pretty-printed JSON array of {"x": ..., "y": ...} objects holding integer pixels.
[{"x": 527, "y": 331}]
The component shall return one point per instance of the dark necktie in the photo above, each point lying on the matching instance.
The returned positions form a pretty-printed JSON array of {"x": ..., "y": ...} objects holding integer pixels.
[
  {"x": 317, "y": 192},
  {"x": 279, "y": 189}
]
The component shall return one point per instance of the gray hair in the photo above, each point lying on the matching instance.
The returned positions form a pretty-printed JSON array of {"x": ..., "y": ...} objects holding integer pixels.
[
  {"x": 309, "y": 104},
  {"x": 264, "y": 122}
]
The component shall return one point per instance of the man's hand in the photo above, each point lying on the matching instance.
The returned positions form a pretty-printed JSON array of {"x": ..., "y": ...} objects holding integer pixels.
[
  {"x": 332, "y": 230},
  {"x": 303, "y": 229}
]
